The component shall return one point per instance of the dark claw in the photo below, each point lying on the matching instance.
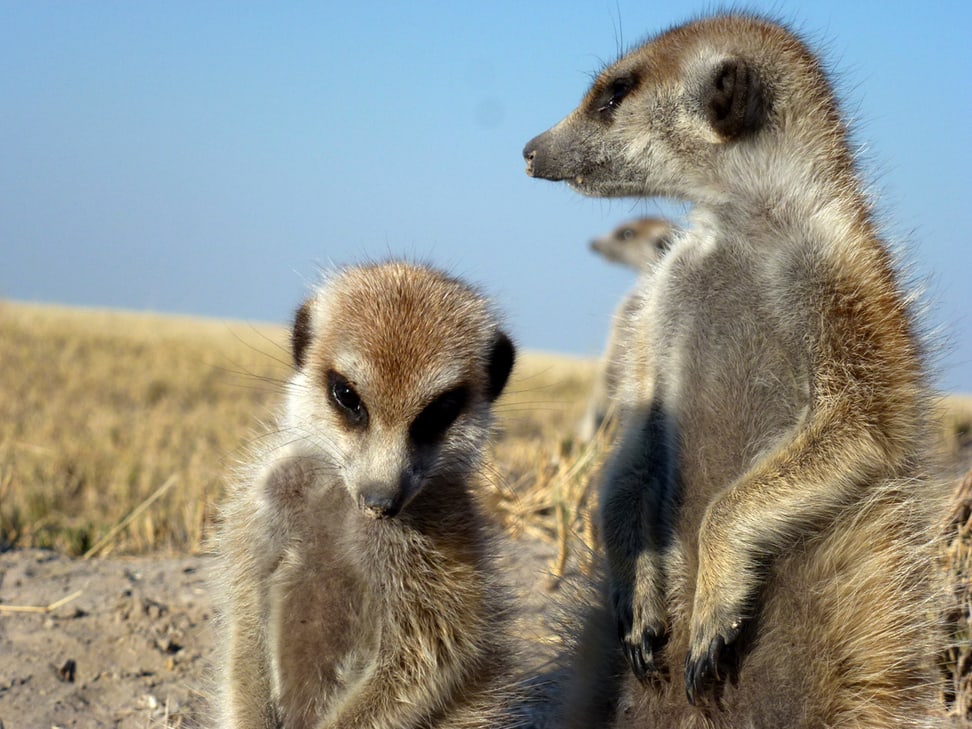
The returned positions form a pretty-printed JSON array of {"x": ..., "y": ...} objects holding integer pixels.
[
  {"x": 703, "y": 673},
  {"x": 641, "y": 655},
  {"x": 689, "y": 680},
  {"x": 634, "y": 658}
]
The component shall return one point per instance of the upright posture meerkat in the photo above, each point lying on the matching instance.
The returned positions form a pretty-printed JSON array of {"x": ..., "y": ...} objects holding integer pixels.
[
  {"x": 354, "y": 562},
  {"x": 766, "y": 515},
  {"x": 638, "y": 244}
]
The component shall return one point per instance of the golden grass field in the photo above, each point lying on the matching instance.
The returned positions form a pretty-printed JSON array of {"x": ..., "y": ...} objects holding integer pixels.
[{"x": 118, "y": 429}]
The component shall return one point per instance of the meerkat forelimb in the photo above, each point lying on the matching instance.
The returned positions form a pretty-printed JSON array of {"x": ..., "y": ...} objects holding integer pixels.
[
  {"x": 785, "y": 395},
  {"x": 358, "y": 587}
]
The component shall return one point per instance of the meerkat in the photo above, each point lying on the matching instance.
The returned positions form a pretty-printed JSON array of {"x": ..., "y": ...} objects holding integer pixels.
[
  {"x": 355, "y": 564},
  {"x": 638, "y": 244},
  {"x": 766, "y": 515}
]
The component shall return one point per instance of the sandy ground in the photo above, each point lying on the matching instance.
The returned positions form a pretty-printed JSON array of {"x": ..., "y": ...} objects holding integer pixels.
[
  {"x": 129, "y": 648},
  {"x": 132, "y": 644}
]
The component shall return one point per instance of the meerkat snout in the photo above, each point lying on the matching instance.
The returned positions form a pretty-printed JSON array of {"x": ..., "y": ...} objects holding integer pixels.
[
  {"x": 540, "y": 160},
  {"x": 529, "y": 162},
  {"x": 530, "y": 154},
  {"x": 382, "y": 500}
]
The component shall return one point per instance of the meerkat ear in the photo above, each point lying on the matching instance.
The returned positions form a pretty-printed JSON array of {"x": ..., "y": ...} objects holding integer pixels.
[
  {"x": 300, "y": 335},
  {"x": 735, "y": 100},
  {"x": 500, "y": 363}
]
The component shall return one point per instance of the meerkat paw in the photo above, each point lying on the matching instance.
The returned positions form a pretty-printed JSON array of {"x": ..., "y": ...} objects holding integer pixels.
[
  {"x": 641, "y": 632},
  {"x": 711, "y": 657}
]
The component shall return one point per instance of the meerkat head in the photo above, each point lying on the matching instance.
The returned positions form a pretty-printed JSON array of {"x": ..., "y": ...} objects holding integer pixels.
[
  {"x": 397, "y": 366},
  {"x": 638, "y": 244},
  {"x": 688, "y": 112}
]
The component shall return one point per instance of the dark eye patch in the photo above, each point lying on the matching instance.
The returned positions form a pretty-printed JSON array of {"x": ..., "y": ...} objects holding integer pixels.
[
  {"x": 432, "y": 423},
  {"x": 613, "y": 93},
  {"x": 346, "y": 400}
]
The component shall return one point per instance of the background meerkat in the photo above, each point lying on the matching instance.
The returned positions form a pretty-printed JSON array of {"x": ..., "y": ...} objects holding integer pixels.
[
  {"x": 766, "y": 514},
  {"x": 638, "y": 244},
  {"x": 354, "y": 563}
]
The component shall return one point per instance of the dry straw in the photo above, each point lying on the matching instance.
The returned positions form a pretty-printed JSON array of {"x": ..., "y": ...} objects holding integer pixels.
[{"x": 38, "y": 609}]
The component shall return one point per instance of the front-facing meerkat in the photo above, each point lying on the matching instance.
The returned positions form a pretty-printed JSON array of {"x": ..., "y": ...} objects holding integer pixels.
[
  {"x": 766, "y": 517},
  {"x": 355, "y": 565}
]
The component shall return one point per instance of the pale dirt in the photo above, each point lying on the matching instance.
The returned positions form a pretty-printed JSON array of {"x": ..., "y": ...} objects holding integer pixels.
[{"x": 140, "y": 636}]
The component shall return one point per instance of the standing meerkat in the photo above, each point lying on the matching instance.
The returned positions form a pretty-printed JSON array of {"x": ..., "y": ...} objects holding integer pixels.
[
  {"x": 638, "y": 244},
  {"x": 766, "y": 513},
  {"x": 355, "y": 564}
]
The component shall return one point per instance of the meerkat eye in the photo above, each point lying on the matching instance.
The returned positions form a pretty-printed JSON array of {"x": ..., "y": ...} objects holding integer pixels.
[
  {"x": 345, "y": 396},
  {"x": 627, "y": 234},
  {"x": 615, "y": 92},
  {"x": 346, "y": 399},
  {"x": 438, "y": 415}
]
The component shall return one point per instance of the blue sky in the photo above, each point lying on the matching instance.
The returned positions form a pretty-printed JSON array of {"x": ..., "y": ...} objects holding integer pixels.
[{"x": 209, "y": 158}]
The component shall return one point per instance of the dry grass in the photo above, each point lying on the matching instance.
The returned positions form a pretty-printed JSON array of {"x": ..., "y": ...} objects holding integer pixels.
[
  {"x": 99, "y": 409},
  {"x": 117, "y": 430}
]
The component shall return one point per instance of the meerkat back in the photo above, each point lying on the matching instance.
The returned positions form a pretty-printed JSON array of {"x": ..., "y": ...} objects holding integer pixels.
[{"x": 356, "y": 576}]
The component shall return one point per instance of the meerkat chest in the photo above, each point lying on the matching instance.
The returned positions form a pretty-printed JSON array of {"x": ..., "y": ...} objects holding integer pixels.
[
  {"x": 318, "y": 635},
  {"x": 731, "y": 368}
]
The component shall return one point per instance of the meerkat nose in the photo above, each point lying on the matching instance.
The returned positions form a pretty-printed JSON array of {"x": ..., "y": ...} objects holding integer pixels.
[
  {"x": 529, "y": 152},
  {"x": 380, "y": 505}
]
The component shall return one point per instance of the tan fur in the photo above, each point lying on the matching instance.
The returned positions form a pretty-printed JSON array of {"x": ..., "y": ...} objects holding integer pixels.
[
  {"x": 767, "y": 513},
  {"x": 638, "y": 244},
  {"x": 356, "y": 575}
]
